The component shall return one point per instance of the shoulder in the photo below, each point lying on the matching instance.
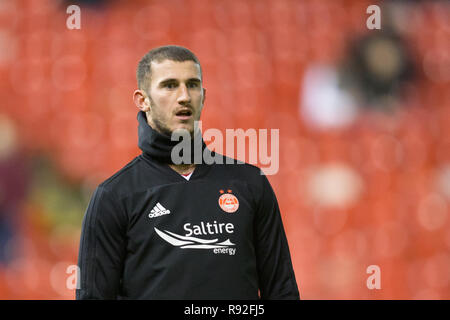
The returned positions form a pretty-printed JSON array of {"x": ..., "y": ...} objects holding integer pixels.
[{"x": 122, "y": 180}]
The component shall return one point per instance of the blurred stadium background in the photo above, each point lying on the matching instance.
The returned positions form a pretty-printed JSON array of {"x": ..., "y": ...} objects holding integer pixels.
[{"x": 364, "y": 119}]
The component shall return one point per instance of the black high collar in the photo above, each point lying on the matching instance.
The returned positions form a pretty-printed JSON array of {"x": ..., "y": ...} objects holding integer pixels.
[{"x": 159, "y": 146}]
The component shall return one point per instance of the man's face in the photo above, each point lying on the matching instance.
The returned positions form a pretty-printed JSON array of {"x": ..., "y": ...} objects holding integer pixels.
[{"x": 176, "y": 96}]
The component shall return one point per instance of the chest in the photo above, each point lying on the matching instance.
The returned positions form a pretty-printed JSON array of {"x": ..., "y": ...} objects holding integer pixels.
[{"x": 197, "y": 215}]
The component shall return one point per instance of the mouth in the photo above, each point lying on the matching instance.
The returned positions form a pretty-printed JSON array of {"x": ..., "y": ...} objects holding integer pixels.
[{"x": 184, "y": 114}]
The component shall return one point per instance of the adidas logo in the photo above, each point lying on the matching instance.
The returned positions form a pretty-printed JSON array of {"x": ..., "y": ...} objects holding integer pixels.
[{"x": 158, "y": 210}]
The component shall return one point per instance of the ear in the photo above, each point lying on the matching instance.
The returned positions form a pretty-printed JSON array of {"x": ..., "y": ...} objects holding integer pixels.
[{"x": 141, "y": 100}]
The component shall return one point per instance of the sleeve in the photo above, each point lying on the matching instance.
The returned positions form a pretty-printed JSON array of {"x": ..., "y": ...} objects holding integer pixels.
[
  {"x": 102, "y": 248},
  {"x": 275, "y": 272}
]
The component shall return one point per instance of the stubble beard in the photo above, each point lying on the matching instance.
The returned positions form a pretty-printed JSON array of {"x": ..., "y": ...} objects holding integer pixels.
[
  {"x": 160, "y": 126},
  {"x": 155, "y": 122}
]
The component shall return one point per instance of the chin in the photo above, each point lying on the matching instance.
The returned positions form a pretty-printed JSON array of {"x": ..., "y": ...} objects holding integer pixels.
[{"x": 189, "y": 129}]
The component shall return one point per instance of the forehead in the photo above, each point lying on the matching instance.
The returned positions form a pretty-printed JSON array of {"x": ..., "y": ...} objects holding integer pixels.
[{"x": 169, "y": 69}]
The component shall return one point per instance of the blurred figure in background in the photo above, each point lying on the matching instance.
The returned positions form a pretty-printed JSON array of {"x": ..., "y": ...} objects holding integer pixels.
[
  {"x": 372, "y": 75},
  {"x": 13, "y": 188},
  {"x": 377, "y": 67},
  {"x": 380, "y": 64}
]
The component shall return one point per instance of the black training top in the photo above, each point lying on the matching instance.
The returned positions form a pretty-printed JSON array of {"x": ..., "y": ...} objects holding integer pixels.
[{"x": 148, "y": 233}]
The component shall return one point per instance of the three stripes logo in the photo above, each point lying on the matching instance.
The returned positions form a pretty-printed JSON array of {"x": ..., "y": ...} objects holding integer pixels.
[{"x": 158, "y": 210}]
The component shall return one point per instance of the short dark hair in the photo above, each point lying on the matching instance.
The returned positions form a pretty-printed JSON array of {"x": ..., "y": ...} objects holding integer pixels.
[{"x": 159, "y": 54}]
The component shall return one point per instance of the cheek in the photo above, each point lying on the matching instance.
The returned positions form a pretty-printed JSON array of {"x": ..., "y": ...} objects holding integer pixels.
[
  {"x": 161, "y": 106},
  {"x": 165, "y": 100},
  {"x": 199, "y": 111},
  {"x": 161, "y": 114},
  {"x": 199, "y": 102}
]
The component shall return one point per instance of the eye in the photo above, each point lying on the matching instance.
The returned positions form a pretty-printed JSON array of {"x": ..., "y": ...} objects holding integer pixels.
[
  {"x": 170, "y": 85},
  {"x": 193, "y": 85}
]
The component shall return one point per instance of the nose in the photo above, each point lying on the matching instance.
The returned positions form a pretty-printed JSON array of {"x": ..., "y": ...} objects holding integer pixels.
[{"x": 183, "y": 97}]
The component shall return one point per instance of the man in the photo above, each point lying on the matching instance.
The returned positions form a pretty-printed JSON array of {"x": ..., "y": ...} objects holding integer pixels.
[{"x": 160, "y": 230}]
